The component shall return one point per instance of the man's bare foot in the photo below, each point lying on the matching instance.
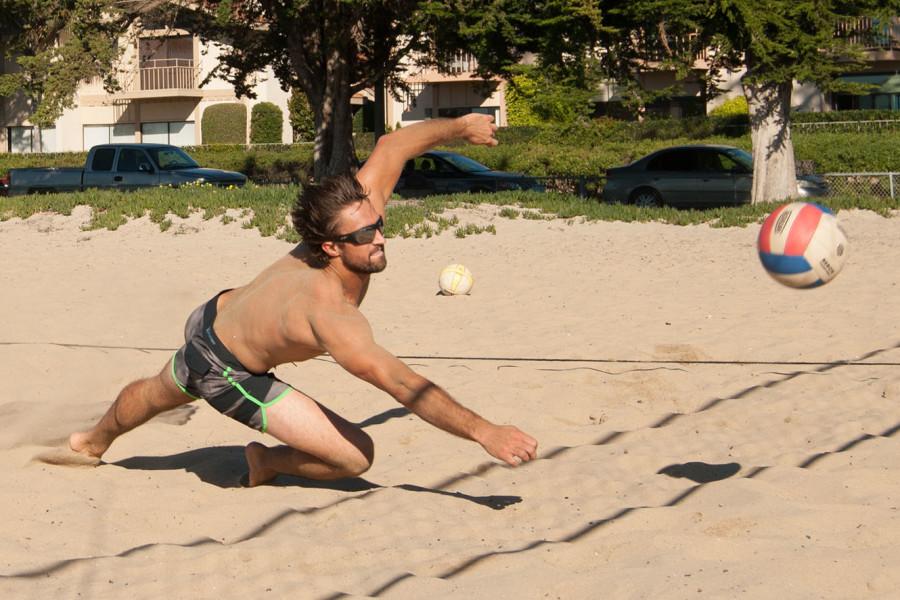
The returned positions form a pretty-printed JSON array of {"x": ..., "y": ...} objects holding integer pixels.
[
  {"x": 258, "y": 475},
  {"x": 80, "y": 442}
]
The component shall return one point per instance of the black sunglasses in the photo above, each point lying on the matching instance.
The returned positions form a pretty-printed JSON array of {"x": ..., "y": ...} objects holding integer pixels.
[{"x": 364, "y": 235}]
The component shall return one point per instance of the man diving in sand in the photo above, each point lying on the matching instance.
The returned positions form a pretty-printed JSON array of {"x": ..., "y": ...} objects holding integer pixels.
[{"x": 303, "y": 305}]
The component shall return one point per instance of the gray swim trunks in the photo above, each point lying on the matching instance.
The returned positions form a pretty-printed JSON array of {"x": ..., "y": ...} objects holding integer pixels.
[{"x": 205, "y": 368}]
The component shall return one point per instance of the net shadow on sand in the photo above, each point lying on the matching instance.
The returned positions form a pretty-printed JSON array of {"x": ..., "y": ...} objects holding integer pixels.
[{"x": 176, "y": 461}]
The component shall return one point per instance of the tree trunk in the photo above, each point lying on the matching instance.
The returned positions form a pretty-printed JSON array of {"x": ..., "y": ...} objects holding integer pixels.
[
  {"x": 333, "y": 152},
  {"x": 774, "y": 169}
]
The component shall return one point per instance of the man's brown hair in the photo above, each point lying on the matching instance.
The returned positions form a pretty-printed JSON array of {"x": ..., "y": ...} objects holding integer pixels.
[{"x": 316, "y": 210}]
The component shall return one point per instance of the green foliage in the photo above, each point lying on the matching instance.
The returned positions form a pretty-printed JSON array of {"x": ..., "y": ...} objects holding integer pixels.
[
  {"x": 224, "y": 123},
  {"x": 57, "y": 45},
  {"x": 845, "y": 115},
  {"x": 266, "y": 122},
  {"x": 303, "y": 120},
  {"x": 520, "y": 94},
  {"x": 533, "y": 98},
  {"x": 585, "y": 150},
  {"x": 733, "y": 107},
  {"x": 267, "y": 209}
]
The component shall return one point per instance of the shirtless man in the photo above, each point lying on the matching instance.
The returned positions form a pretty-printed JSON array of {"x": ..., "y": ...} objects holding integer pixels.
[{"x": 303, "y": 305}]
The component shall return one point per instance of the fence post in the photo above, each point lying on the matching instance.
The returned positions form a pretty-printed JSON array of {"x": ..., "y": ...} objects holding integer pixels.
[{"x": 891, "y": 179}]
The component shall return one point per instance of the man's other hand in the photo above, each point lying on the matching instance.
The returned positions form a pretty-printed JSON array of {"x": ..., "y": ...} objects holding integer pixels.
[
  {"x": 509, "y": 444},
  {"x": 479, "y": 129}
]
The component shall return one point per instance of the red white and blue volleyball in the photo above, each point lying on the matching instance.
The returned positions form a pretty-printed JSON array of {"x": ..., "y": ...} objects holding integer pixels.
[{"x": 802, "y": 245}]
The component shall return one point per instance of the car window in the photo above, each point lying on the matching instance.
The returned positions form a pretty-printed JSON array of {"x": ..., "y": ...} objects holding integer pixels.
[
  {"x": 424, "y": 164},
  {"x": 712, "y": 161},
  {"x": 731, "y": 165},
  {"x": 103, "y": 159},
  {"x": 442, "y": 166},
  {"x": 677, "y": 160},
  {"x": 130, "y": 160},
  {"x": 173, "y": 158},
  {"x": 464, "y": 163},
  {"x": 742, "y": 158}
]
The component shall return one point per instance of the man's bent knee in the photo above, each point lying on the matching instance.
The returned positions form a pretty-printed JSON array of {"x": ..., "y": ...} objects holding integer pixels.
[{"x": 358, "y": 463}]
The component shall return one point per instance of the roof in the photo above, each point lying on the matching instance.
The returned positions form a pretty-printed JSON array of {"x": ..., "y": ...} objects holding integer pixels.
[{"x": 132, "y": 145}]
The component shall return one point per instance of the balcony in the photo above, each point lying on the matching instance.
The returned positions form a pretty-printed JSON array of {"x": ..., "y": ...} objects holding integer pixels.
[
  {"x": 871, "y": 34},
  {"x": 461, "y": 67},
  {"x": 462, "y": 62},
  {"x": 162, "y": 78}
]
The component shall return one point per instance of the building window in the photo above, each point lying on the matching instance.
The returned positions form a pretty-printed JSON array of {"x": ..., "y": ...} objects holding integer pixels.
[
  {"x": 464, "y": 110},
  {"x": 176, "y": 133},
  {"x": 883, "y": 93},
  {"x": 94, "y": 135},
  {"x": 22, "y": 139}
]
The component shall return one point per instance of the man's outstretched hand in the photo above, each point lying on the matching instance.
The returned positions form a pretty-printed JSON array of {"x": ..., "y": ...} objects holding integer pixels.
[
  {"x": 479, "y": 129},
  {"x": 509, "y": 444}
]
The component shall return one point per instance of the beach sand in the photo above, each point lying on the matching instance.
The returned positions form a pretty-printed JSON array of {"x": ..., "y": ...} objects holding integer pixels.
[{"x": 704, "y": 432}]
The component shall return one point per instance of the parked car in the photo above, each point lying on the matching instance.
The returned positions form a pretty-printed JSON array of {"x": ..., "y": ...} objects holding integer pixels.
[
  {"x": 123, "y": 167},
  {"x": 694, "y": 176},
  {"x": 439, "y": 172}
]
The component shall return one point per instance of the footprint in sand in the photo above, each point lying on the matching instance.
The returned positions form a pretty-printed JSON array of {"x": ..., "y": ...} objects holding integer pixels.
[{"x": 66, "y": 458}]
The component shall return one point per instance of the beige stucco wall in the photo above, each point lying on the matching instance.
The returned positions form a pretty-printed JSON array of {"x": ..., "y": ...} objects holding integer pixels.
[
  {"x": 94, "y": 106},
  {"x": 434, "y": 96}
]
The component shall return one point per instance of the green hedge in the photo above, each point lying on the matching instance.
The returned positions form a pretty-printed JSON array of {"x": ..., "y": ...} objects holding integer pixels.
[
  {"x": 539, "y": 151},
  {"x": 266, "y": 122},
  {"x": 224, "y": 124}
]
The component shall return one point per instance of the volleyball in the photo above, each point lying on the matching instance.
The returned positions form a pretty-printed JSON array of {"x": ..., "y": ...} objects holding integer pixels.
[
  {"x": 802, "y": 245},
  {"x": 455, "y": 280}
]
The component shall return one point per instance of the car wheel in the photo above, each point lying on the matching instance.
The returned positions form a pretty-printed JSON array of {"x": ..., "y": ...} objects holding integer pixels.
[{"x": 646, "y": 197}]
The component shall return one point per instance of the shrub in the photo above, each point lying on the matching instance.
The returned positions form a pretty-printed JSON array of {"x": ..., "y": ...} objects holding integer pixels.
[
  {"x": 224, "y": 124},
  {"x": 303, "y": 120},
  {"x": 844, "y": 115},
  {"x": 732, "y": 107},
  {"x": 266, "y": 122},
  {"x": 533, "y": 98}
]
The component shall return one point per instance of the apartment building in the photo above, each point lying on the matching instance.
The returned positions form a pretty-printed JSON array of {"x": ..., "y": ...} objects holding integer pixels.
[
  {"x": 450, "y": 92},
  {"x": 880, "y": 40},
  {"x": 161, "y": 100}
]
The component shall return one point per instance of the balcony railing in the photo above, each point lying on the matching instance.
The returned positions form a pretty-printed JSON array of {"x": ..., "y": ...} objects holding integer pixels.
[
  {"x": 462, "y": 62},
  {"x": 653, "y": 49},
  {"x": 166, "y": 74},
  {"x": 871, "y": 34}
]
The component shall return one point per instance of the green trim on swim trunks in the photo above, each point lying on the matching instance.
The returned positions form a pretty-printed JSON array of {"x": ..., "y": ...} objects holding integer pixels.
[
  {"x": 178, "y": 383},
  {"x": 262, "y": 405}
]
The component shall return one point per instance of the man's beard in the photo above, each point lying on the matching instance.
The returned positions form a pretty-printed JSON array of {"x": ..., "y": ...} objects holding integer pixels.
[{"x": 376, "y": 265}]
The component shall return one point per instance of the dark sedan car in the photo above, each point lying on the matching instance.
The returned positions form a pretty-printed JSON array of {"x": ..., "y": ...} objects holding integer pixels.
[
  {"x": 694, "y": 176},
  {"x": 439, "y": 172}
]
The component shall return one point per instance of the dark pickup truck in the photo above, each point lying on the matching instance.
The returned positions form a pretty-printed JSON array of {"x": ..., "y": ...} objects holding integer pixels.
[{"x": 122, "y": 167}]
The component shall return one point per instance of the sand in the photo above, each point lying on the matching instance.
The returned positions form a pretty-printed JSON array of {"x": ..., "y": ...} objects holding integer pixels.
[{"x": 704, "y": 432}]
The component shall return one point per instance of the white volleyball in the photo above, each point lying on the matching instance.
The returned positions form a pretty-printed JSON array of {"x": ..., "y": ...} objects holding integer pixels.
[{"x": 455, "y": 280}]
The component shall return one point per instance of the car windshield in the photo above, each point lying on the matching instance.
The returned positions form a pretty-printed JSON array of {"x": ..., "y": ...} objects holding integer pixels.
[
  {"x": 172, "y": 159},
  {"x": 464, "y": 163},
  {"x": 741, "y": 157}
]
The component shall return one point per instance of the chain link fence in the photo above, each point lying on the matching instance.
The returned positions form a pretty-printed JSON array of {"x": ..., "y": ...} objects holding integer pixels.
[
  {"x": 878, "y": 185},
  {"x": 847, "y": 126}
]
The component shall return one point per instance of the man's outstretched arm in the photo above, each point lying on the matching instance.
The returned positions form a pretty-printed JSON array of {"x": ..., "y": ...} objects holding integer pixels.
[
  {"x": 348, "y": 338},
  {"x": 382, "y": 169}
]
